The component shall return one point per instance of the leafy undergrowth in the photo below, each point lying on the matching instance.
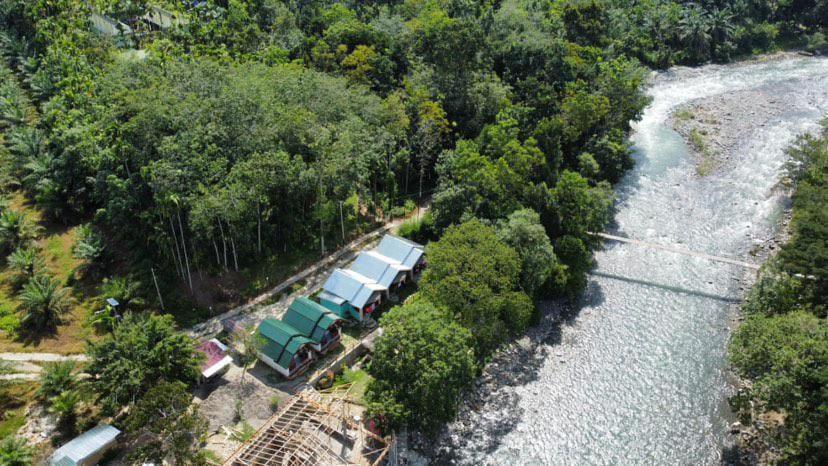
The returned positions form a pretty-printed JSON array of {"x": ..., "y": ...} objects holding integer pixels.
[{"x": 55, "y": 244}]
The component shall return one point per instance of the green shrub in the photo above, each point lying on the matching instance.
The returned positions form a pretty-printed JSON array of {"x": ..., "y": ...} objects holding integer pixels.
[
  {"x": 816, "y": 43},
  {"x": 420, "y": 230}
]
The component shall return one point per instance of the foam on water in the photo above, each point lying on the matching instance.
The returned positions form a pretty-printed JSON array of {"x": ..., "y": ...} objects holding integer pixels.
[{"x": 641, "y": 374}]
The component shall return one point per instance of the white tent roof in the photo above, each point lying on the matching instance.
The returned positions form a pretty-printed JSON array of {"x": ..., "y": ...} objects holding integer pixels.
[{"x": 379, "y": 268}]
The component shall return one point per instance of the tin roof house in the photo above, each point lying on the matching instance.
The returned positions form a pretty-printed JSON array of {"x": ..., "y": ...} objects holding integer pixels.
[
  {"x": 284, "y": 348},
  {"x": 315, "y": 322},
  {"x": 161, "y": 19},
  {"x": 382, "y": 269},
  {"x": 108, "y": 27},
  {"x": 87, "y": 449},
  {"x": 216, "y": 360},
  {"x": 351, "y": 294},
  {"x": 408, "y": 253}
]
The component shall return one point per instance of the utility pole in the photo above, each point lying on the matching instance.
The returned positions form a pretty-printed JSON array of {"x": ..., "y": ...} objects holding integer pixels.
[{"x": 342, "y": 222}]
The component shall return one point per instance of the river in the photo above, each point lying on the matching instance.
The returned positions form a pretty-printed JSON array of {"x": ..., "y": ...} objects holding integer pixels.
[{"x": 638, "y": 373}]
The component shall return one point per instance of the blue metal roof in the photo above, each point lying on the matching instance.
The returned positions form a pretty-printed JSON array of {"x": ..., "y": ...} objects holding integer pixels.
[
  {"x": 382, "y": 269},
  {"x": 400, "y": 249},
  {"x": 353, "y": 287},
  {"x": 85, "y": 445}
]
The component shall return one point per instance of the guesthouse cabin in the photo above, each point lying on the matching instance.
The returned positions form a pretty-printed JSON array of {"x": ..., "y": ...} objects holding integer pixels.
[
  {"x": 350, "y": 294},
  {"x": 108, "y": 27},
  {"x": 284, "y": 348},
  {"x": 216, "y": 360},
  {"x": 382, "y": 269},
  {"x": 86, "y": 449},
  {"x": 408, "y": 253},
  {"x": 315, "y": 322},
  {"x": 160, "y": 19}
]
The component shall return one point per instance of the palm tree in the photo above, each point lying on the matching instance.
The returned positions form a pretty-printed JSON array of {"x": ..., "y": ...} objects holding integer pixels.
[
  {"x": 26, "y": 143},
  {"x": 65, "y": 405},
  {"x": 55, "y": 378},
  {"x": 15, "y": 452},
  {"x": 694, "y": 32},
  {"x": 24, "y": 262},
  {"x": 721, "y": 25},
  {"x": 43, "y": 301},
  {"x": 13, "y": 104},
  {"x": 125, "y": 290},
  {"x": 15, "y": 230}
]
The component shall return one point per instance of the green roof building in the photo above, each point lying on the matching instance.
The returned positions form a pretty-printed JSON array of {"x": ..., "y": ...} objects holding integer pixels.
[
  {"x": 284, "y": 348},
  {"x": 315, "y": 322}
]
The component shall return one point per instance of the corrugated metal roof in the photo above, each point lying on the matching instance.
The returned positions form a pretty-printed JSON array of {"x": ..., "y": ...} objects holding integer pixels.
[
  {"x": 310, "y": 318},
  {"x": 400, "y": 249},
  {"x": 353, "y": 287},
  {"x": 380, "y": 268},
  {"x": 338, "y": 300},
  {"x": 279, "y": 335},
  {"x": 369, "y": 289},
  {"x": 85, "y": 445}
]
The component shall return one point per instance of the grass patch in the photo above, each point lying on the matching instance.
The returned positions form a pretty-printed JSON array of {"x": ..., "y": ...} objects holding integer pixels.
[
  {"x": 55, "y": 244},
  {"x": 684, "y": 115},
  {"x": 707, "y": 162},
  {"x": 359, "y": 380},
  {"x": 15, "y": 397}
]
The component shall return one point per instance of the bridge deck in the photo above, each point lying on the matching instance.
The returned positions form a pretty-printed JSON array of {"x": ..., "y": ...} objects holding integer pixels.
[{"x": 686, "y": 252}]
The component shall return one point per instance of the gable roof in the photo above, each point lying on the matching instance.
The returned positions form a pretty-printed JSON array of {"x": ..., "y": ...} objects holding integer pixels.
[
  {"x": 216, "y": 357},
  {"x": 351, "y": 286},
  {"x": 400, "y": 249},
  {"x": 85, "y": 445},
  {"x": 310, "y": 318},
  {"x": 382, "y": 269},
  {"x": 106, "y": 26},
  {"x": 164, "y": 19},
  {"x": 282, "y": 341}
]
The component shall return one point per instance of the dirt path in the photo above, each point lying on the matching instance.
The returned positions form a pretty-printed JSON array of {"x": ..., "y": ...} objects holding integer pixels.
[
  {"x": 41, "y": 357},
  {"x": 313, "y": 278}
]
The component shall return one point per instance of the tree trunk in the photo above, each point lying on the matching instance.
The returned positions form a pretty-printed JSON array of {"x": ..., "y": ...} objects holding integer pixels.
[
  {"x": 184, "y": 246},
  {"x": 259, "y": 228},
  {"x": 235, "y": 258},
  {"x": 177, "y": 256},
  {"x": 218, "y": 257},
  {"x": 223, "y": 242}
]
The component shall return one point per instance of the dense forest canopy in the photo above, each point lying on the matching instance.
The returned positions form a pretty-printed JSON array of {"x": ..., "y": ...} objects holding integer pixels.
[{"x": 245, "y": 130}]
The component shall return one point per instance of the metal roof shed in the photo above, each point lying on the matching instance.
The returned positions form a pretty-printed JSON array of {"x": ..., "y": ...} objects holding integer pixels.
[
  {"x": 382, "y": 269},
  {"x": 284, "y": 348},
  {"x": 107, "y": 26},
  {"x": 315, "y": 322},
  {"x": 163, "y": 19},
  {"x": 402, "y": 250},
  {"x": 355, "y": 288},
  {"x": 86, "y": 449}
]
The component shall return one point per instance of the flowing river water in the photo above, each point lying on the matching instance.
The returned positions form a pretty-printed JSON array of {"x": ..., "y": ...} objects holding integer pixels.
[{"x": 638, "y": 373}]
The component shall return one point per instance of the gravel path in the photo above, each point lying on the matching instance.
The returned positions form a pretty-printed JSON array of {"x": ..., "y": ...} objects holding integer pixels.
[{"x": 41, "y": 357}]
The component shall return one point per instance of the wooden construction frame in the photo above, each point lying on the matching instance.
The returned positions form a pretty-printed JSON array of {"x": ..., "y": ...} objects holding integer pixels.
[{"x": 296, "y": 435}]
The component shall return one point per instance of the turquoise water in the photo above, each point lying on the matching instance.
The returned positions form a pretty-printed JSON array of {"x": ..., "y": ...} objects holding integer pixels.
[{"x": 639, "y": 375}]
